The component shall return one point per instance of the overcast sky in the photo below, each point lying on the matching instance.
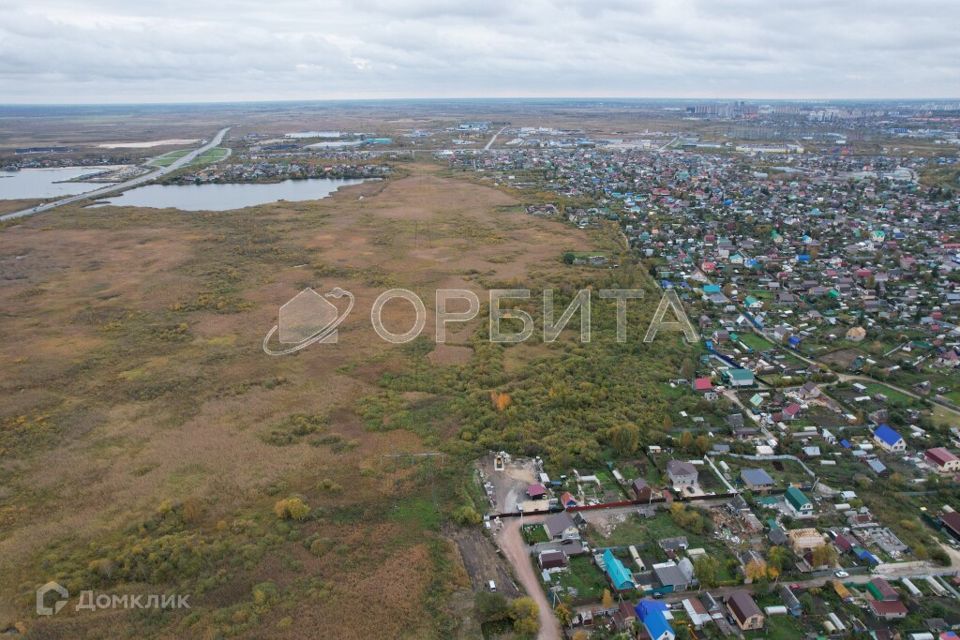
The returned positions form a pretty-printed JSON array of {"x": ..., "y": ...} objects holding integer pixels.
[{"x": 67, "y": 51}]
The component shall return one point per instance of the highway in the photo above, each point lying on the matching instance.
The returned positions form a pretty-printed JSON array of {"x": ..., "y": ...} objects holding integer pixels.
[
  {"x": 667, "y": 146},
  {"x": 179, "y": 163}
]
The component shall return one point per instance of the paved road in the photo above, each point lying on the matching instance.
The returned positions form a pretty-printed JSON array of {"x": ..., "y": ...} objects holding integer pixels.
[
  {"x": 123, "y": 186},
  {"x": 493, "y": 139},
  {"x": 666, "y": 146},
  {"x": 515, "y": 551}
]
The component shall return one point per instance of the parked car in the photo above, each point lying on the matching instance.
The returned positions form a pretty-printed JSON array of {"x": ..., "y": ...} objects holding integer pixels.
[
  {"x": 492, "y": 586},
  {"x": 841, "y": 574}
]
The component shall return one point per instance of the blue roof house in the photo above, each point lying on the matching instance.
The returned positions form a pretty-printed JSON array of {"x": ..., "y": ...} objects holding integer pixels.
[
  {"x": 620, "y": 577},
  {"x": 756, "y": 479},
  {"x": 652, "y": 614},
  {"x": 889, "y": 440},
  {"x": 866, "y": 556}
]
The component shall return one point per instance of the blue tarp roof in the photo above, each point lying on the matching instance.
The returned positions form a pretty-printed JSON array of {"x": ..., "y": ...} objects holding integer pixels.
[{"x": 845, "y": 444}]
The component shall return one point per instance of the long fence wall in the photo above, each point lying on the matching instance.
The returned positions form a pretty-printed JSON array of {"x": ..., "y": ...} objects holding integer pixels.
[{"x": 631, "y": 503}]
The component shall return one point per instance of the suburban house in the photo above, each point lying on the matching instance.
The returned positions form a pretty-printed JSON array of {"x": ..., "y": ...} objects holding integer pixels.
[
  {"x": 560, "y": 526},
  {"x": 697, "y": 613},
  {"x": 642, "y": 490},
  {"x": 681, "y": 474},
  {"x": 951, "y": 522},
  {"x": 653, "y": 616},
  {"x": 567, "y": 500},
  {"x": 536, "y": 491},
  {"x": 672, "y": 545},
  {"x": 803, "y": 540},
  {"x": 703, "y": 384},
  {"x": 889, "y": 440},
  {"x": 738, "y": 377},
  {"x": 809, "y": 390},
  {"x": 797, "y": 502},
  {"x": 888, "y": 610},
  {"x": 880, "y": 589},
  {"x": 552, "y": 559},
  {"x": 942, "y": 460},
  {"x": 620, "y": 577},
  {"x": 670, "y": 574},
  {"x": 756, "y": 479},
  {"x": 744, "y": 610}
]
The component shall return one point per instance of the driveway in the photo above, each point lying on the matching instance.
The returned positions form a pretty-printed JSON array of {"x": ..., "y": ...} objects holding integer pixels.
[{"x": 515, "y": 551}]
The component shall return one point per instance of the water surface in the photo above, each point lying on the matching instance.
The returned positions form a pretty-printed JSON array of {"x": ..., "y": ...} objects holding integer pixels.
[
  {"x": 30, "y": 184},
  {"x": 224, "y": 197}
]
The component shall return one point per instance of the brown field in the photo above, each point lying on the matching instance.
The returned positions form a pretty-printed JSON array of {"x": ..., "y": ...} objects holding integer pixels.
[
  {"x": 133, "y": 374},
  {"x": 9, "y": 206},
  {"x": 841, "y": 359}
]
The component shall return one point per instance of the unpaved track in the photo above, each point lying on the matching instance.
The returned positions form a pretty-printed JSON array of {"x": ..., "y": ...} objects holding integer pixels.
[{"x": 515, "y": 551}]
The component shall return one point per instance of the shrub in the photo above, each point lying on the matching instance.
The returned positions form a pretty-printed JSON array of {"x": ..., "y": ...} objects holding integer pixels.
[
  {"x": 466, "y": 515},
  {"x": 291, "y": 509},
  {"x": 491, "y": 607}
]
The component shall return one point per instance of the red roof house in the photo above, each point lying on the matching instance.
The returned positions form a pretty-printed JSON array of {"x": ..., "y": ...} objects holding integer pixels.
[
  {"x": 702, "y": 384},
  {"x": 536, "y": 491},
  {"x": 888, "y": 610}
]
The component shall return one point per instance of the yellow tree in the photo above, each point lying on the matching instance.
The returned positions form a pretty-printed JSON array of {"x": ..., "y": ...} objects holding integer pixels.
[
  {"x": 607, "y": 599},
  {"x": 824, "y": 555},
  {"x": 755, "y": 570},
  {"x": 524, "y": 613},
  {"x": 500, "y": 400}
]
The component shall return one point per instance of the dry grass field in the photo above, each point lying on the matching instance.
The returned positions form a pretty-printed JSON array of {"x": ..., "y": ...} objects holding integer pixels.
[{"x": 145, "y": 437}]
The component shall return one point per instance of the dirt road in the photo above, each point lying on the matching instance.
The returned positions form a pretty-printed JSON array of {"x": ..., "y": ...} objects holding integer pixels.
[
  {"x": 515, "y": 551},
  {"x": 482, "y": 562}
]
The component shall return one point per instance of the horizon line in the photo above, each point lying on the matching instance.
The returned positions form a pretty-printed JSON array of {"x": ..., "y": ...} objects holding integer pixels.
[{"x": 472, "y": 98}]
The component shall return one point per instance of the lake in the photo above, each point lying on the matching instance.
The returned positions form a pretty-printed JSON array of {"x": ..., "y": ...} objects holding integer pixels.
[
  {"x": 30, "y": 184},
  {"x": 224, "y": 197}
]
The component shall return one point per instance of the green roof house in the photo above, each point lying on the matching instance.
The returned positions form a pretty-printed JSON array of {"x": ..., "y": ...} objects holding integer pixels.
[
  {"x": 798, "y": 502},
  {"x": 739, "y": 377}
]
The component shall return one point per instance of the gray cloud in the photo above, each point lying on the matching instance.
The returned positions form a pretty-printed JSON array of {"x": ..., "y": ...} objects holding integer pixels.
[{"x": 179, "y": 50}]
